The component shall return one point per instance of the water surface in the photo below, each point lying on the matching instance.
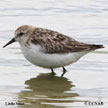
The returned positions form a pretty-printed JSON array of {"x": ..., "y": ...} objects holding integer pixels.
[{"x": 86, "y": 80}]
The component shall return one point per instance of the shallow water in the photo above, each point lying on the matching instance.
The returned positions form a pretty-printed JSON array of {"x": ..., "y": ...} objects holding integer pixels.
[{"x": 86, "y": 80}]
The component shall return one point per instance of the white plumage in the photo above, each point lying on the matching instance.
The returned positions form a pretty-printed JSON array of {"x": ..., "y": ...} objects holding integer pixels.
[{"x": 34, "y": 54}]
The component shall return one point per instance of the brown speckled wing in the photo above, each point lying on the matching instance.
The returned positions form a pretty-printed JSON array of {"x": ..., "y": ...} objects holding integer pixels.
[{"x": 54, "y": 42}]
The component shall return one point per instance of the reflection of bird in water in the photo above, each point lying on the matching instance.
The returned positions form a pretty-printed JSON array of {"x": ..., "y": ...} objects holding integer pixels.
[{"x": 46, "y": 89}]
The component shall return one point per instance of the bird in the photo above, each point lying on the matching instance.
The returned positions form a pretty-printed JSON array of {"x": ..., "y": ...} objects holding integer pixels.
[{"x": 48, "y": 48}]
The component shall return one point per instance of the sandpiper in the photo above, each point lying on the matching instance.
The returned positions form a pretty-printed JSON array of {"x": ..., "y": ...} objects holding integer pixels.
[{"x": 50, "y": 49}]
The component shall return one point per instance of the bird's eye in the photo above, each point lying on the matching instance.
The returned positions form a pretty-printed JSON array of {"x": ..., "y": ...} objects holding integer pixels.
[{"x": 20, "y": 34}]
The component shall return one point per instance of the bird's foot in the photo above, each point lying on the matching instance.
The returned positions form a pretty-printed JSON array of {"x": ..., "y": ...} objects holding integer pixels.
[
  {"x": 64, "y": 71},
  {"x": 52, "y": 72}
]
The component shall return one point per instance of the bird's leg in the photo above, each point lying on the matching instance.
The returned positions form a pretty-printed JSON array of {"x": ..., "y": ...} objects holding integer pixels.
[
  {"x": 53, "y": 73},
  {"x": 64, "y": 71}
]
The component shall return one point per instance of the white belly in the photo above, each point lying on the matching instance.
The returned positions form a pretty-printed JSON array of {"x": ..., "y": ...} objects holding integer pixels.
[{"x": 37, "y": 57}]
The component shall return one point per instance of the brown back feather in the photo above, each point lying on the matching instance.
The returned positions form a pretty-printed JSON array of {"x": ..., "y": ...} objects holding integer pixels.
[{"x": 54, "y": 42}]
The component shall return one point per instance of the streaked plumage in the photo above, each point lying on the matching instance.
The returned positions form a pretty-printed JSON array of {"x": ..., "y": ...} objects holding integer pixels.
[{"x": 50, "y": 49}]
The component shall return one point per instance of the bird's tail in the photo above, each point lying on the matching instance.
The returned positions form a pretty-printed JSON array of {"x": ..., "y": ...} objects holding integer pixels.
[{"x": 96, "y": 46}]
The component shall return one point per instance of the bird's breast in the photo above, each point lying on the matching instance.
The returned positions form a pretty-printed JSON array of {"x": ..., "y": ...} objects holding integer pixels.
[{"x": 35, "y": 55}]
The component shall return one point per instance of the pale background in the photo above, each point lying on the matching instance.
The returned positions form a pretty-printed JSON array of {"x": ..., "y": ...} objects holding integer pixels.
[{"x": 84, "y": 20}]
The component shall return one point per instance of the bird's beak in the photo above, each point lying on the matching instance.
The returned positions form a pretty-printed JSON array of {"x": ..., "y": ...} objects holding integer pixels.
[{"x": 10, "y": 42}]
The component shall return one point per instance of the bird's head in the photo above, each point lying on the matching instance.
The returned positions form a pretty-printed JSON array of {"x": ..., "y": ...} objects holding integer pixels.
[{"x": 21, "y": 34}]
